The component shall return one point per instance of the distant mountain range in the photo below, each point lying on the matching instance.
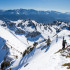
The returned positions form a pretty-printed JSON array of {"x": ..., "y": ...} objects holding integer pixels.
[{"x": 39, "y": 16}]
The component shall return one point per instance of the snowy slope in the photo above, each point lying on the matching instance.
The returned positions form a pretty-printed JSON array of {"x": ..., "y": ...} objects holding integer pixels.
[
  {"x": 15, "y": 46},
  {"x": 12, "y": 40},
  {"x": 2, "y": 51},
  {"x": 49, "y": 60},
  {"x": 27, "y": 33}
]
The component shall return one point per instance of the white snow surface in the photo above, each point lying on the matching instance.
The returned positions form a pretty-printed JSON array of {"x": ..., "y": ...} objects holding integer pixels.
[
  {"x": 38, "y": 59},
  {"x": 12, "y": 40},
  {"x": 49, "y": 60}
]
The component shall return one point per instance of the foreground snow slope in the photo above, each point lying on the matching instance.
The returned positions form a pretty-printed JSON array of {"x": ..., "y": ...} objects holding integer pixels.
[
  {"x": 49, "y": 60},
  {"x": 18, "y": 35},
  {"x": 12, "y": 40}
]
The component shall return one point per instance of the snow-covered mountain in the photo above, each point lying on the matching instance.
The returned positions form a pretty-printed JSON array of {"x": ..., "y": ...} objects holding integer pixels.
[
  {"x": 23, "y": 45},
  {"x": 39, "y": 16}
]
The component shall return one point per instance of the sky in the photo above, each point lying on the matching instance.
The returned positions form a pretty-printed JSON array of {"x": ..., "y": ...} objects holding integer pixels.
[{"x": 44, "y": 5}]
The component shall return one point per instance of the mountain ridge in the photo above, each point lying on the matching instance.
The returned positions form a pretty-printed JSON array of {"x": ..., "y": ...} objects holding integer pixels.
[
  {"x": 39, "y": 16},
  {"x": 24, "y": 42}
]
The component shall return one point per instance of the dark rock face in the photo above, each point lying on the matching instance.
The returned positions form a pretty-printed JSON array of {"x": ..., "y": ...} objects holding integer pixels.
[
  {"x": 33, "y": 34},
  {"x": 19, "y": 31}
]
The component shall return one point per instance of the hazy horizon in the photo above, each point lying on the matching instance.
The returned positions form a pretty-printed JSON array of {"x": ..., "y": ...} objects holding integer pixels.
[
  {"x": 41, "y": 5},
  {"x": 34, "y": 9}
]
